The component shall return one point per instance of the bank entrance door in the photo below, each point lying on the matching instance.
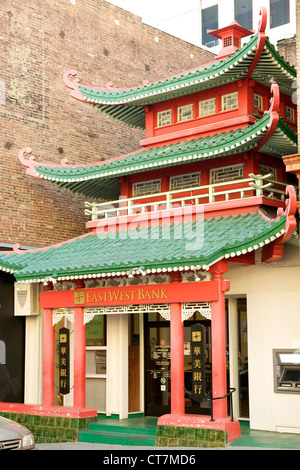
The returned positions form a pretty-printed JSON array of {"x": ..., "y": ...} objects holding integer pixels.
[{"x": 158, "y": 362}]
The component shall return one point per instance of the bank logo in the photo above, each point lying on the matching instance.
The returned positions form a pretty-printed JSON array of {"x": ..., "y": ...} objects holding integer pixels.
[{"x": 79, "y": 298}]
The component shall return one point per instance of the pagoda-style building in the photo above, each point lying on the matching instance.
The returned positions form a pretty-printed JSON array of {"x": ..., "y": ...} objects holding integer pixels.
[{"x": 206, "y": 191}]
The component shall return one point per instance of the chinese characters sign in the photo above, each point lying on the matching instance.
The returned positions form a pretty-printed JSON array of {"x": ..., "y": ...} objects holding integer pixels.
[
  {"x": 198, "y": 362},
  {"x": 64, "y": 361}
]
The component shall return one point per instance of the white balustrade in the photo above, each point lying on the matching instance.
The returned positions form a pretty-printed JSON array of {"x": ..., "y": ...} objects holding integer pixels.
[{"x": 255, "y": 185}]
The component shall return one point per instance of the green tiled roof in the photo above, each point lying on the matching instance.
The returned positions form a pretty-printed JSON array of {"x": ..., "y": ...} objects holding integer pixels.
[
  {"x": 198, "y": 244},
  {"x": 127, "y": 105},
  {"x": 92, "y": 180}
]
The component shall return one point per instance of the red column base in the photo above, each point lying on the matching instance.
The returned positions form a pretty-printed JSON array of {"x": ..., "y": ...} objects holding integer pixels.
[
  {"x": 64, "y": 411},
  {"x": 232, "y": 428}
]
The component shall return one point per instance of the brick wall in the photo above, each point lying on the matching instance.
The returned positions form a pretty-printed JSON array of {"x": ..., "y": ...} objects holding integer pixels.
[
  {"x": 39, "y": 41},
  {"x": 287, "y": 48}
]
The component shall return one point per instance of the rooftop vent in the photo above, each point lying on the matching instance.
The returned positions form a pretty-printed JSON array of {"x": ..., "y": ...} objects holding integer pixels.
[{"x": 231, "y": 37}]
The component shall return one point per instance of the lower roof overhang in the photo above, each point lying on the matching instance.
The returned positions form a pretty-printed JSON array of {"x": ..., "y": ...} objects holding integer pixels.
[{"x": 182, "y": 246}]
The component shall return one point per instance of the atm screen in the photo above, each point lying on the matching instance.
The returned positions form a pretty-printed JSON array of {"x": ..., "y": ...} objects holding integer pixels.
[{"x": 291, "y": 375}]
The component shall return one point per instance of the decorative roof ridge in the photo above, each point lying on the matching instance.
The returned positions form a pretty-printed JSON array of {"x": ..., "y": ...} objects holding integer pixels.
[
  {"x": 291, "y": 69},
  {"x": 288, "y": 212},
  {"x": 274, "y": 114},
  {"x": 287, "y": 129},
  {"x": 261, "y": 32}
]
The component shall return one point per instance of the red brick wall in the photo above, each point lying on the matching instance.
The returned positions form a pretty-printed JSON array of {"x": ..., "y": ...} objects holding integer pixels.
[
  {"x": 287, "y": 48},
  {"x": 39, "y": 42}
]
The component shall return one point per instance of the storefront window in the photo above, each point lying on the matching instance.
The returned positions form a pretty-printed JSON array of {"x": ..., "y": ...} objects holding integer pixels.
[
  {"x": 96, "y": 363},
  {"x": 96, "y": 331}
]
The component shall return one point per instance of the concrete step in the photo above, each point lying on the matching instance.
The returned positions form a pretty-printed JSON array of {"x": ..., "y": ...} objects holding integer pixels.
[
  {"x": 120, "y": 429},
  {"x": 133, "y": 431},
  {"x": 116, "y": 438}
]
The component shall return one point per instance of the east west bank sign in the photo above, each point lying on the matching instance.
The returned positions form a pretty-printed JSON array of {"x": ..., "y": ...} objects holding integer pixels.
[{"x": 128, "y": 295}]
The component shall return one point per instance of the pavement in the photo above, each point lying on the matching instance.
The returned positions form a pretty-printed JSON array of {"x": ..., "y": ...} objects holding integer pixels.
[{"x": 146, "y": 450}]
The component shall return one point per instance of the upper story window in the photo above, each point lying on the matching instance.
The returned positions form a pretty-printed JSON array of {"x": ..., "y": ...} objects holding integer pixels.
[
  {"x": 190, "y": 180},
  {"x": 209, "y": 21},
  {"x": 164, "y": 118},
  {"x": 290, "y": 114},
  {"x": 230, "y": 101},
  {"x": 279, "y": 12},
  {"x": 226, "y": 173},
  {"x": 243, "y": 13},
  {"x": 257, "y": 102},
  {"x": 184, "y": 113},
  {"x": 266, "y": 170},
  {"x": 146, "y": 187},
  {"x": 207, "y": 107}
]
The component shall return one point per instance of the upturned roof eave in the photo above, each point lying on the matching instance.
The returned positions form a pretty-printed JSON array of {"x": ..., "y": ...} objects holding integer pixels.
[
  {"x": 185, "y": 83},
  {"x": 65, "y": 262},
  {"x": 91, "y": 180},
  {"x": 233, "y": 68}
]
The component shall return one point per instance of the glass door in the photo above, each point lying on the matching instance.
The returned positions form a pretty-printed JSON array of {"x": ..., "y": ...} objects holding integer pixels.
[
  {"x": 158, "y": 384},
  {"x": 158, "y": 366}
]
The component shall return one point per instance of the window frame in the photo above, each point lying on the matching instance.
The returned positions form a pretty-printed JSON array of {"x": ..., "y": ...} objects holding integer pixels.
[
  {"x": 236, "y": 93},
  {"x": 288, "y": 14},
  {"x": 173, "y": 177},
  {"x": 293, "y": 120},
  {"x": 185, "y": 106},
  {"x": 135, "y": 184},
  {"x": 206, "y": 101},
  {"x": 213, "y": 178},
  {"x": 266, "y": 169},
  {"x": 159, "y": 113},
  {"x": 206, "y": 40},
  {"x": 261, "y": 102}
]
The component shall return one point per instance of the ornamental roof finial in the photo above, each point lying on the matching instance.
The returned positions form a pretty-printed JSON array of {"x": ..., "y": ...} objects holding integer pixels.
[
  {"x": 73, "y": 84},
  {"x": 28, "y": 163}
]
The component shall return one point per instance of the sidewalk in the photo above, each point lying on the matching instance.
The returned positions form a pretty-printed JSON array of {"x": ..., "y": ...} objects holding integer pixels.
[{"x": 249, "y": 440}]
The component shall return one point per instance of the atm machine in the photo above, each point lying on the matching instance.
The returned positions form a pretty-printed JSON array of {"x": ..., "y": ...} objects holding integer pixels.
[{"x": 286, "y": 370}]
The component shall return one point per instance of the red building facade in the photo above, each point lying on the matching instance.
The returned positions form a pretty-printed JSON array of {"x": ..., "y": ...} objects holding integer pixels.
[{"x": 206, "y": 189}]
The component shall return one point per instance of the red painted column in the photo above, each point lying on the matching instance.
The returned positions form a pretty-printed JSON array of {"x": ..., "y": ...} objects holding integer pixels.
[
  {"x": 48, "y": 358},
  {"x": 218, "y": 342},
  {"x": 177, "y": 357},
  {"x": 79, "y": 358}
]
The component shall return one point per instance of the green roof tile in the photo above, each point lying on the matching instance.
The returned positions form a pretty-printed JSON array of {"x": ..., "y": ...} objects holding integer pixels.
[{"x": 198, "y": 243}]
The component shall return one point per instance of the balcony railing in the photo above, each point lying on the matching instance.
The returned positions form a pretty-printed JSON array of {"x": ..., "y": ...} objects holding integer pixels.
[{"x": 255, "y": 185}]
